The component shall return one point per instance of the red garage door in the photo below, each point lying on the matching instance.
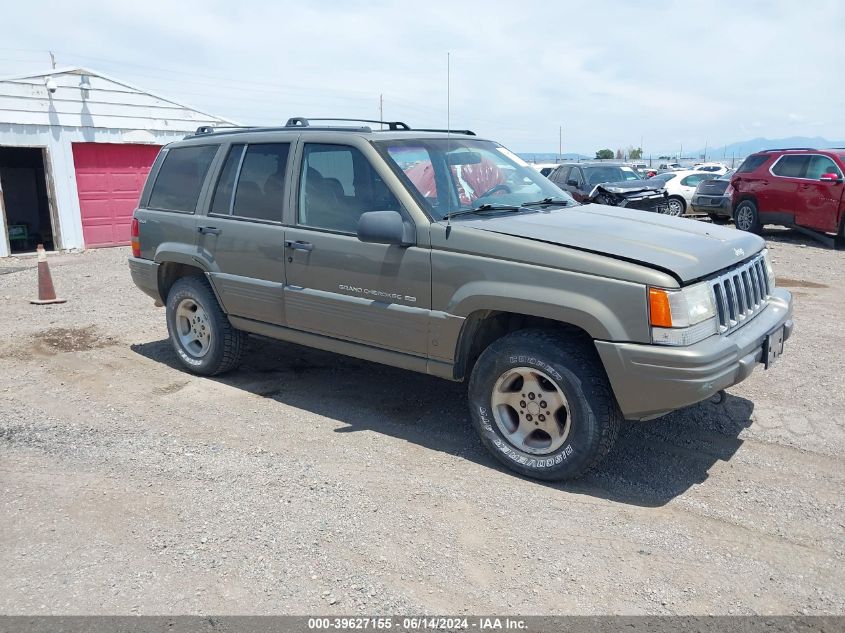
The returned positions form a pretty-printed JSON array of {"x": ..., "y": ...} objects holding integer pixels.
[{"x": 109, "y": 178}]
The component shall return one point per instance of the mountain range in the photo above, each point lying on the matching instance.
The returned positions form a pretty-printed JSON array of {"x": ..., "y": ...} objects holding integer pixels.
[
  {"x": 744, "y": 148},
  {"x": 736, "y": 150}
]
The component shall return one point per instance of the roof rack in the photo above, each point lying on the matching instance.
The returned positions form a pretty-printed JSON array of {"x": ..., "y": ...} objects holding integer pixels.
[
  {"x": 300, "y": 121},
  {"x": 787, "y": 149},
  {"x": 305, "y": 123}
]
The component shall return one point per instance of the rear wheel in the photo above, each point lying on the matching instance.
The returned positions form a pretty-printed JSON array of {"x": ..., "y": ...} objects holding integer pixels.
[
  {"x": 204, "y": 340},
  {"x": 746, "y": 217},
  {"x": 676, "y": 206},
  {"x": 542, "y": 404}
]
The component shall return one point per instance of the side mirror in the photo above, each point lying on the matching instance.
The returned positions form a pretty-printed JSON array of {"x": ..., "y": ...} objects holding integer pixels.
[
  {"x": 385, "y": 227},
  {"x": 831, "y": 177},
  {"x": 572, "y": 183}
]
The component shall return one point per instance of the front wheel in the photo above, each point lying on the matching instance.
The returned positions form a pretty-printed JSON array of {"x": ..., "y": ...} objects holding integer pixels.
[
  {"x": 542, "y": 404},
  {"x": 204, "y": 340}
]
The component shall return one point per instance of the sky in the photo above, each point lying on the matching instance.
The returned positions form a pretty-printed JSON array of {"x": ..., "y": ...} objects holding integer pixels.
[{"x": 611, "y": 74}]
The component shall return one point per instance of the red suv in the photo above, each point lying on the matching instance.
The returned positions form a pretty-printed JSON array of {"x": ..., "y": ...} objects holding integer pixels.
[{"x": 800, "y": 188}]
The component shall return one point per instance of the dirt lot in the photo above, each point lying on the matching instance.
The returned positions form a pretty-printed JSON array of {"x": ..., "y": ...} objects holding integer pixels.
[{"x": 310, "y": 483}]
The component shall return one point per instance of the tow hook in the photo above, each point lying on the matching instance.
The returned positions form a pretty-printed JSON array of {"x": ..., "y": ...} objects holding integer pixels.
[{"x": 719, "y": 397}]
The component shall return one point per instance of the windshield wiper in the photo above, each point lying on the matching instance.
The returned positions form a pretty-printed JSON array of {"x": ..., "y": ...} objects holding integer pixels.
[
  {"x": 481, "y": 209},
  {"x": 547, "y": 202}
]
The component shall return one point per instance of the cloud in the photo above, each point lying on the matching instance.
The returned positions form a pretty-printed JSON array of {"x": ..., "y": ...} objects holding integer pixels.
[{"x": 609, "y": 73}]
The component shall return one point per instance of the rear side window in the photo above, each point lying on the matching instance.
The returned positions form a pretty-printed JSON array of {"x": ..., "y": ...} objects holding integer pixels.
[
  {"x": 179, "y": 181},
  {"x": 222, "y": 201},
  {"x": 791, "y": 166},
  {"x": 693, "y": 180},
  {"x": 252, "y": 182},
  {"x": 751, "y": 163},
  {"x": 559, "y": 175}
]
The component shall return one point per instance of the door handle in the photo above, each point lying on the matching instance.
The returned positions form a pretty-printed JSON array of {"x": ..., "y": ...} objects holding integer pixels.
[
  {"x": 299, "y": 245},
  {"x": 208, "y": 230}
]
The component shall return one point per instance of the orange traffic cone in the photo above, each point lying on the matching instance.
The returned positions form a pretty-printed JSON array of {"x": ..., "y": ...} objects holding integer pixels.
[{"x": 46, "y": 291}]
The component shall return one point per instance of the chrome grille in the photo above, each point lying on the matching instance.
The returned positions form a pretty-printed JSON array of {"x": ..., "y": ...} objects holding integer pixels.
[{"x": 741, "y": 293}]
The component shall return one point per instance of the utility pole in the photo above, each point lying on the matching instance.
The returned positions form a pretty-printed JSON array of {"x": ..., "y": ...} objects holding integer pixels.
[
  {"x": 705, "y": 151},
  {"x": 52, "y": 59},
  {"x": 381, "y": 109},
  {"x": 560, "y": 143}
]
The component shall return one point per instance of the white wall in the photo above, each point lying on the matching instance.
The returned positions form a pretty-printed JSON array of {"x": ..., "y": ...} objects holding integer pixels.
[
  {"x": 107, "y": 112},
  {"x": 58, "y": 142}
]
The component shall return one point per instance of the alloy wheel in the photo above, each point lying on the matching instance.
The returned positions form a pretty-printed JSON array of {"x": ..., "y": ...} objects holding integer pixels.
[
  {"x": 531, "y": 411},
  {"x": 744, "y": 218},
  {"x": 193, "y": 328}
]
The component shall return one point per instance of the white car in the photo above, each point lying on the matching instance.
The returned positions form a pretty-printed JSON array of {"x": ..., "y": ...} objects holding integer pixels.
[
  {"x": 714, "y": 169},
  {"x": 680, "y": 185}
]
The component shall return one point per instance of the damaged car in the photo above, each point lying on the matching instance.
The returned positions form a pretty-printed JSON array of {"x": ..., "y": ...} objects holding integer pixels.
[{"x": 613, "y": 185}]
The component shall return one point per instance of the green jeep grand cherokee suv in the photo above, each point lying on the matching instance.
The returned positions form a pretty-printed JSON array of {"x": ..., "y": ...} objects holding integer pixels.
[{"x": 443, "y": 253}]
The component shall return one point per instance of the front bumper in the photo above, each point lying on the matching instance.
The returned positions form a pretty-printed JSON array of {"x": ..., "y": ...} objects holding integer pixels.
[
  {"x": 651, "y": 380},
  {"x": 145, "y": 275},
  {"x": 655, "y": 204},
  {"x": 717, "y": 205}
]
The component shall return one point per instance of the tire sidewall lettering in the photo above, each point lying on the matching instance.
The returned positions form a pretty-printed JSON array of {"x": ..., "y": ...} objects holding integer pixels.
[
  {"x": 535, "y": 362},
  {"x": 523, "y": 459}
]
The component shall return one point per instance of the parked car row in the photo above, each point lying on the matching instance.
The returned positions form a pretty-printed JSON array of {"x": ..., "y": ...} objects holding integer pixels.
[
  {"x": 612, "y": 184},
  {"x": 798, "y": 188}
]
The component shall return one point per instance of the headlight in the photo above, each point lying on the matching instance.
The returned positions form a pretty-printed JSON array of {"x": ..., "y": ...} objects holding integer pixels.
[
  {"x": 770, "y": 272},
  {"x": 682, "y": 317}
]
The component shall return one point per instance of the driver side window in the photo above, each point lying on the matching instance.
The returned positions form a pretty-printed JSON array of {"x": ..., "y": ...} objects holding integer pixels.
[
  {"x": 336, "y": 185},
  {"x": 576, "y": 175}
]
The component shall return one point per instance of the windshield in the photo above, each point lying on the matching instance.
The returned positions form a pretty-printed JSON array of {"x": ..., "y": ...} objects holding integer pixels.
[
  {"x": 609, "y": 173},
  {"x": 457, "y": 174}
]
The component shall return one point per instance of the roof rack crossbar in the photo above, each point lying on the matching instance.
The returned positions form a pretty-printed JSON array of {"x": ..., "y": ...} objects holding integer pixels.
[
  {"x": 211, "y": 129},
  {"x": 299, "y": 121},
  {"x": 465, "y": 132}
]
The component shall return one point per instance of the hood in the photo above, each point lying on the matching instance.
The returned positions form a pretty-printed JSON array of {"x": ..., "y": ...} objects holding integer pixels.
[
  {"x": 687, "y": 249},
  {"x": 630, "y": 186}
]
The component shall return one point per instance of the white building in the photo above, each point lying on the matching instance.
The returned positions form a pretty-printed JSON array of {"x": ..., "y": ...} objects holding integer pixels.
[{"x": 75, "y": 148}]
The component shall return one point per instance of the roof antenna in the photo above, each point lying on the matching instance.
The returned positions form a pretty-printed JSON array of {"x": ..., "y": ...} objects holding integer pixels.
[{"x": 448, "y": 128}]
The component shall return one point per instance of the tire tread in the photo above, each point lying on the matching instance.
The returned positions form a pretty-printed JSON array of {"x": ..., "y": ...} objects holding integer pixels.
[
  {"x": 234, "y": 341},
  {"x": 585, "y": 363}
]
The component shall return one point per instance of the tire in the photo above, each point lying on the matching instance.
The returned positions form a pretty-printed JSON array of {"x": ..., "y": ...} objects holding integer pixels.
[
  {"x": 715, "y": 218},
  {"x": 746, "y": 217},
  {"x": 555, "y": 366},
  {"x": 193, "y": 313},
  {"x": 677, "y": 206}
]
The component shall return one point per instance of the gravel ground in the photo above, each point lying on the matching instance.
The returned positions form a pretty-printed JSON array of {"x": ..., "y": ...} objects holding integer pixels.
[{"x": 313, "y": 483}]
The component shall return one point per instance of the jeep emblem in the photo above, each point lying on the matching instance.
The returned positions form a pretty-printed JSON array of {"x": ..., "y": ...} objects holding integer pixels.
[{"x": 739, "y": 252}]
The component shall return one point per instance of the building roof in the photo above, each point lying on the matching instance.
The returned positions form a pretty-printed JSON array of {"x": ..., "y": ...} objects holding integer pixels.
[{"x": 82, "y": 97}]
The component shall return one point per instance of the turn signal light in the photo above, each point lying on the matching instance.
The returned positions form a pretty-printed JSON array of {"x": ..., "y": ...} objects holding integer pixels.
[
  {"x": 660, "y": 313},
  {"x": 135, "y": 239}
]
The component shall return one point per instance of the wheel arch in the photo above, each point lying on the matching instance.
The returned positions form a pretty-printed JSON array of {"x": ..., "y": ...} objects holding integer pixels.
[
  {"x": 484, "y": 327},
  {"x": 169, "y": 272},
  {"x": 742, "y": 197}
]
